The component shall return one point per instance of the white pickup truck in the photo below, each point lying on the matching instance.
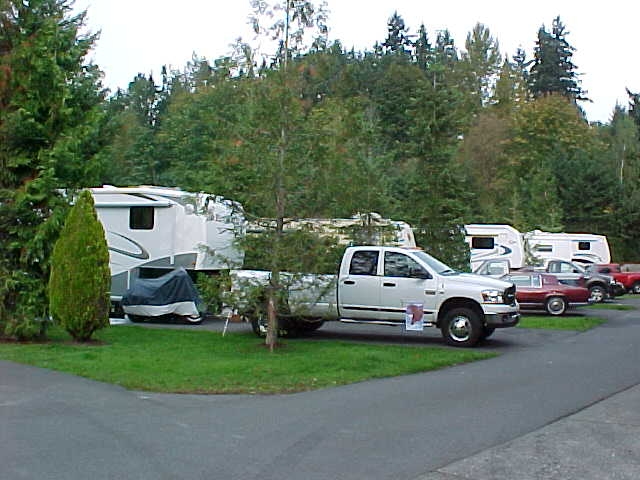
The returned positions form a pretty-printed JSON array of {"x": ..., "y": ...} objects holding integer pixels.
[{"x": 376, "y": 284}]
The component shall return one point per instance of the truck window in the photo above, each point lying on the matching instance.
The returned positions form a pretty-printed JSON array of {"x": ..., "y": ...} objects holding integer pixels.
[
  {"x": 399, "y": 265},
  {"x": 364, "y": 262},
  {"x": 141, "y": 218},
  {"x": 482, "y": 243}
]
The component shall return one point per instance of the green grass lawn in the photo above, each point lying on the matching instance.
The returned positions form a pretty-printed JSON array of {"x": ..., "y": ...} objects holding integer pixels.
[
  {"x": 182, "y": 361},
  {"x": 564, "y": 322},
  {"x": 610, "y": 306}
]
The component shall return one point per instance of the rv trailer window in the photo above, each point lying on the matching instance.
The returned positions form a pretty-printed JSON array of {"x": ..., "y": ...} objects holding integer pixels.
[
  {"x": 141, "y": 218},
  {"x": 584, "y": 245},
  {"x": 544, "y": 248},
  {"x": 484, "y": 243}
]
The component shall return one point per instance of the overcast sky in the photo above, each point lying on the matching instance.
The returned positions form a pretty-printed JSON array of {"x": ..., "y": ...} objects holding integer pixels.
[{"x": 140, "y": 36}]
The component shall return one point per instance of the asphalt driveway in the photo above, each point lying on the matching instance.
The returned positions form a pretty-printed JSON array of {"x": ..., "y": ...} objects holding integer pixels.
[{"x": 58, "y": 426}]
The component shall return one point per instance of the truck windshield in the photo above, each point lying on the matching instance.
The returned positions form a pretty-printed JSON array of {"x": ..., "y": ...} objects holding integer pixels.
[{"x": 435, "y": 264}]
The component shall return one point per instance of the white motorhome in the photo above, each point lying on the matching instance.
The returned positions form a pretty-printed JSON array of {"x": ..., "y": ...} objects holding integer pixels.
[
  {"x": 376, "y": 229},
  {"x": 494, "y": 242},
  {"x": 150, "y": 228},
  {"x": 584, "y": 248}
]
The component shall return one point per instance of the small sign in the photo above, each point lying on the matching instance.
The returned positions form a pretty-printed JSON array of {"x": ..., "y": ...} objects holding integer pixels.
[{"x": 414, "y": 317}]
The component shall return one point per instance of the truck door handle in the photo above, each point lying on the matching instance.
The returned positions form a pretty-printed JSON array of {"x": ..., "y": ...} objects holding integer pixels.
[
  {"x": 388, "y": 284},
  {"x": 349, "y": 282}
]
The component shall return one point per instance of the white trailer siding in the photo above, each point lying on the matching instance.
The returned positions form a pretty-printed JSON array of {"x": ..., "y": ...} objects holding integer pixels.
[
  {"x": 157, "y": 227},
  {"x": 494, "y": 242},
  {"x": 584, "y": 248}
]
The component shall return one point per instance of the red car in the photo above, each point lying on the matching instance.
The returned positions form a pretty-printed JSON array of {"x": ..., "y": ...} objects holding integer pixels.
[{"x": 541, "y": 290}]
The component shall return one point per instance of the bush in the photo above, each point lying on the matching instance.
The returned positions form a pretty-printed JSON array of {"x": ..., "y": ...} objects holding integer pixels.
[{"x": 80, "y": 278}]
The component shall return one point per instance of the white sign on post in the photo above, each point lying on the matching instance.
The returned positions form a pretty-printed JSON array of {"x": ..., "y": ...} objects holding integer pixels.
[{"x": 413, "y": 317}]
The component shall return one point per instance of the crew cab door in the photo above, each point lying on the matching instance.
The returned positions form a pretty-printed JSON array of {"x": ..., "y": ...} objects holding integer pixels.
[
  {"x": 359, "y": 288},
  {"x": 565, "y": 272},
  {"x": 405, "y": 281}
]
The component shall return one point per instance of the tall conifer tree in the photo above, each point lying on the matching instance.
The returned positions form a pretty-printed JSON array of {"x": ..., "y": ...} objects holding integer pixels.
[{"x": 49, "y": 99}]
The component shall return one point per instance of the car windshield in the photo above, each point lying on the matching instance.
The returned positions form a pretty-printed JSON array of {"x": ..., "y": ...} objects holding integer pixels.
[{"x": 439, "y": 267}]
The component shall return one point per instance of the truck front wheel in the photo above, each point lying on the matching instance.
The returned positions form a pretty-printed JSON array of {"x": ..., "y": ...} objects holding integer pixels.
[
  {"x": 598, "y": 293},
  {"x": 635, "y": 288},
  {"x": 461, "y": 327}
]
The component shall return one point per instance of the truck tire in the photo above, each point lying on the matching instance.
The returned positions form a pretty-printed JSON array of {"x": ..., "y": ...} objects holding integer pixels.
[
  {"x": 635, "y": 288},
  {"x": 259, "y": 326},
  {"x": 555, "y": 305},
  {"x": 598, "y": 293},
  {"x": 461, "y": 327}
]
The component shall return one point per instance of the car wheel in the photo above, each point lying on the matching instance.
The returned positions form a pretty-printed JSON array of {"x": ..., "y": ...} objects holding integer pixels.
[
  {"x": 461, "y": 327},
  {"x": 136, "y": 318},
  {"x": 598, "y": 293},
  {"x": 635, "y": 288},
  {"x": 556, "y": 305}
]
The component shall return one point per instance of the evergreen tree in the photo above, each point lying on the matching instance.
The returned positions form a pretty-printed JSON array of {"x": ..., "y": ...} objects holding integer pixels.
[
  {"x": 511, "y": 89},
  {"x": 422, "y": 49},
  {"x": 49, "y": 99},
  {"x": 634, "y": 108},
  {"x": 553, "y": 70},
  {"x": 397, "y": 42},
  {"x": 80, "y": 276}
]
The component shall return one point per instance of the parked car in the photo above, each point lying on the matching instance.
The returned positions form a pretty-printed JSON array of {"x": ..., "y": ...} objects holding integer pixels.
[
  {"x": 544, "y": 291},
  {"x": 600, "y": 285}
]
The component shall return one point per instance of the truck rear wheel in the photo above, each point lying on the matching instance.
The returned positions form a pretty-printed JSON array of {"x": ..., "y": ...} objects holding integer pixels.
[
  {"x": 461, "y": 327},
  {"x": 259, "y": 325},
  {"x": 635, "y": 288}
]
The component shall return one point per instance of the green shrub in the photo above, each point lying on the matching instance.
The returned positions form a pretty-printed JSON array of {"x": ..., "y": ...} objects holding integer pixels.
[{"x": 80, "y": 278}]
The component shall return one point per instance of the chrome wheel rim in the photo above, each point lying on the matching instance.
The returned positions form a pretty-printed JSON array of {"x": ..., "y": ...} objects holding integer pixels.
[
  {"x": 556, "y": 306},
  {"x": 597, "y": 294},
  {"x": 460, "y": 328}
]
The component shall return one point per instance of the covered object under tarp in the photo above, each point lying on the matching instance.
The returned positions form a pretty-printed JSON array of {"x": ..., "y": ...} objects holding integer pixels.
[{"x": 171, "y": 294}]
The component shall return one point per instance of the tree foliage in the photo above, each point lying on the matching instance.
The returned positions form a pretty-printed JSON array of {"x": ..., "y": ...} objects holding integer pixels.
[
  {"x": 80, "y": 276},
  {"x": 49, "y": 114},
  {"x": 553, "y": 70}
]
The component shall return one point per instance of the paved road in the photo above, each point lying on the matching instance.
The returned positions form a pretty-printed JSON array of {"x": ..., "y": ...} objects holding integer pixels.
[{"x": 57, "y": 426}]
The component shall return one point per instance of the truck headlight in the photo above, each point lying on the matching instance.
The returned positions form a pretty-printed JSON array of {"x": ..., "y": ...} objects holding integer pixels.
[{"x": 492, "y": 296}]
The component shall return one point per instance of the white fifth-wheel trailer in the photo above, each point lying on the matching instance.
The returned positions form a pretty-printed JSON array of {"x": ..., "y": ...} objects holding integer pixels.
[{"x": 152, "y": 230}]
